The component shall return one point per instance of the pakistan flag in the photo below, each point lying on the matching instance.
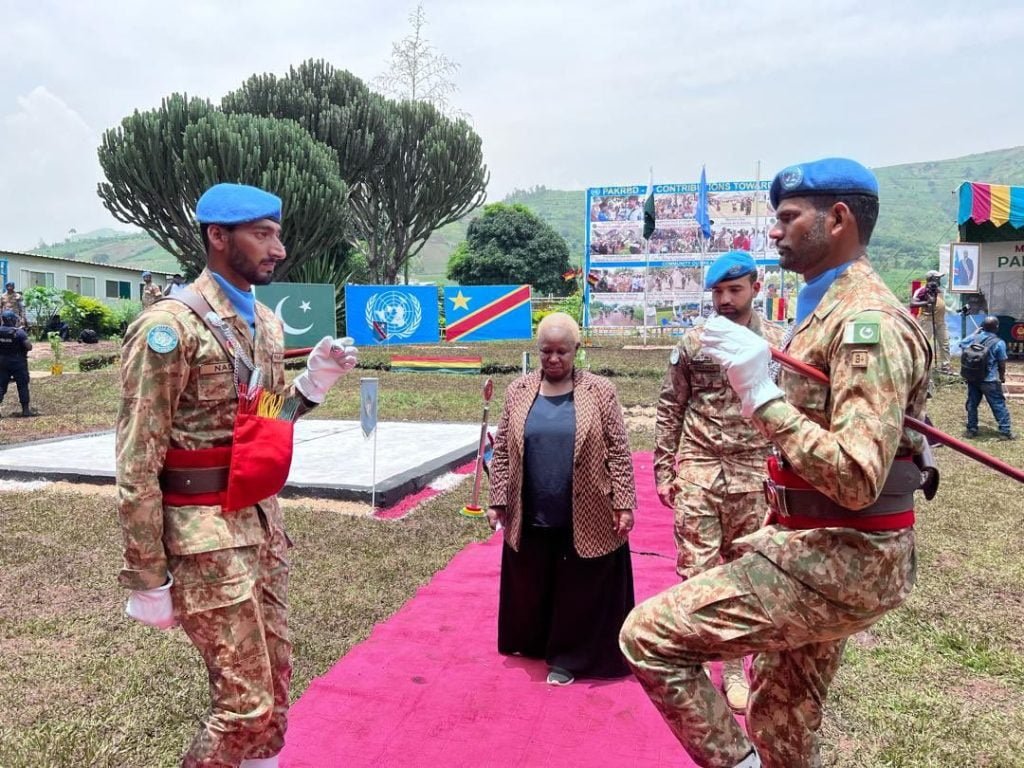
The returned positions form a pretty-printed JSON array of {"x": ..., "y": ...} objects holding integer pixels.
[{"x": 305, "y": 309}]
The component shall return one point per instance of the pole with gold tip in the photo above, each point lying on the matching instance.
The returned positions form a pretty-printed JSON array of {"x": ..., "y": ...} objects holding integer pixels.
[{"x": 473, "y": 509}]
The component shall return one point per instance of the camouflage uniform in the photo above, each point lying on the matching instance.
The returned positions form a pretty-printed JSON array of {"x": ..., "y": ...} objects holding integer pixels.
[
  {"x": 151, "y": 292},
  {"x": 796, "y": 595},
  {"x": 230, "y": 570},
  {"x": 16, "y": 303},
  {"x": 718, "y": 481},
  {"x": 933, "y": 321}
]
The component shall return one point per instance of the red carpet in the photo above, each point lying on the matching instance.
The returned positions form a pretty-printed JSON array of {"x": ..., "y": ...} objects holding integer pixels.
[{"x": 428, "y": 687}]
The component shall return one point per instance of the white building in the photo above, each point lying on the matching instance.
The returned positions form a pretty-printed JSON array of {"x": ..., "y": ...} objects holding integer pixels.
[{"x": 102, "y": 281}]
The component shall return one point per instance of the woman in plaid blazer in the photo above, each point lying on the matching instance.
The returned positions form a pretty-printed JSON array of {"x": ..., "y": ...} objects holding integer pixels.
[{"x": 562, "y": 487}]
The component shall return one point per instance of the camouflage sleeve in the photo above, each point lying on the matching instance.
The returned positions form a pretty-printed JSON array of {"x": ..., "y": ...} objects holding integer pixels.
[
  {"x": 620, "y": 459},
  {"x": 151, "y": 383},
  {"x": 668, "y": 420},
  {"x": 849, "y": 460}
]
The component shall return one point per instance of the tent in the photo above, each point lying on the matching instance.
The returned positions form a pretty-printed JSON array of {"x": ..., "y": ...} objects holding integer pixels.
[{"x": 993, "y": 216}]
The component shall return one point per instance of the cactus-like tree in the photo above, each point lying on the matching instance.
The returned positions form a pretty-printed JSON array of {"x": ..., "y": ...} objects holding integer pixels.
[
  {"x": 409, "y": 168},
  {"x": 157, "y": 164}
]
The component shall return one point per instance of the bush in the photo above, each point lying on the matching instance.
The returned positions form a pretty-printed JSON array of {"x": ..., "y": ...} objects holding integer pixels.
[
  {"x": 539, "y": 314},
  {"x": 85, "y": 312},
  {"x": 97, "y": 361},
  {"x": 125, "y": 312},
  {"x": 42, "y": 304}
]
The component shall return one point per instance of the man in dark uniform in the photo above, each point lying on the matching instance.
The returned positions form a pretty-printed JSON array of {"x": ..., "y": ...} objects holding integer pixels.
[{"x": 14, "y": 348}]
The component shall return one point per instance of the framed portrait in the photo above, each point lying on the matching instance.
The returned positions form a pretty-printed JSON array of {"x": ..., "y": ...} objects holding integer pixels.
[{"x": 966, "y": 264}]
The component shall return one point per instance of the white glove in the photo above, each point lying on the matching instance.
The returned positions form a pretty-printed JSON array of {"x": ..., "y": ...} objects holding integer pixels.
[
  {"x": 153, "y": 606},
  {"x": 745, "y": 357},
  {"x": 330, "y": 360}
]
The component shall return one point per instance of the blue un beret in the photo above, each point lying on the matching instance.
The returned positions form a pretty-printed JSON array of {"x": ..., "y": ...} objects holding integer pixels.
[
  {"x": 8, "y": 315},
  {"x": 831, "y": 176},
  {"x": 729, "y": 266},
  {"x": 236, "y": 204}
]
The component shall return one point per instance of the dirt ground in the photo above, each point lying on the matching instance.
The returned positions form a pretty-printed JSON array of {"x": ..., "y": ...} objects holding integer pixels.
[
  {"x": 110, "y": 491},
  {"x": 41, "y": 350}
]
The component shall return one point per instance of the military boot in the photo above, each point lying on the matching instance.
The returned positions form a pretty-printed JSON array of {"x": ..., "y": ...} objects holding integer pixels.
[
  {"x": 737, "y": 691},
  {"x": 27, "y": 412}
]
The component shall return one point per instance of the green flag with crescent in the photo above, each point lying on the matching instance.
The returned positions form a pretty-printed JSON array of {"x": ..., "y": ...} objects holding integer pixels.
[{"x": 306, "y": 310}]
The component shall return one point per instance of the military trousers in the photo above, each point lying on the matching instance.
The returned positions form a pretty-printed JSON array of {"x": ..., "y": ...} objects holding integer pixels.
[
  {"x": 15, "y": 368},
  {"x": 709, "y": 520},
  {"x": 747, "y": 606},
  {"x": 233, "y": 605}
]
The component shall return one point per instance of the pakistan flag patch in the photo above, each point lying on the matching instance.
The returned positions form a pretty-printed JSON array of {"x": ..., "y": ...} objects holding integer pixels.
[{"x": 862, "y": 332}]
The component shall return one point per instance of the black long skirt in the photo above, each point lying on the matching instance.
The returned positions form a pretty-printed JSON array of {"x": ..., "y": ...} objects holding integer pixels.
[{"x": 563, "y": 608}]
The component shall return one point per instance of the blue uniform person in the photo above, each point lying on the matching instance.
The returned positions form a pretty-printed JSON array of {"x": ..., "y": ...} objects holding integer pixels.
[{"x": 14, "y": 348}]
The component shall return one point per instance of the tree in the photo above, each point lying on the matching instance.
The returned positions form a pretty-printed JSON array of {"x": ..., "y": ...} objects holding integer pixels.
[
  {"x": 510, "y": 245},
  {"x": 42, "y": 303},
  {"x": 158, "y": 163},
  {"x": 434, "y": 174},
  {"x": 418, "y": 72},
  {"x": 334, "y": 106},
  {"x": 410, "y": 169}
]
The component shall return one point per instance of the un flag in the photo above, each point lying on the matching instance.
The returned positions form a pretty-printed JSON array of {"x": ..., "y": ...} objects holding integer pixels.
[{"x": 393, "y": 314}]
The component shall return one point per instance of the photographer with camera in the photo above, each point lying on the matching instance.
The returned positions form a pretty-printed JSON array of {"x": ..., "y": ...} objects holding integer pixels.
[{"x": 932, "y": 317}]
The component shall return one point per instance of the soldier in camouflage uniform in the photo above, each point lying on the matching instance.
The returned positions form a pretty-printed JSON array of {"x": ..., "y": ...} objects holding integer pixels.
[
  {"x": 223, "y": 575},
  {"x": 15, "y": 302},
  {"x": 716, "y": 489},
  {"x": 151, "y": 293},
  {"x": 839, "y": 553}
]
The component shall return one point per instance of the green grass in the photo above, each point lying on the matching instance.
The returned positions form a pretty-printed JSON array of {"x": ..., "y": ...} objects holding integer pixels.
[{"x": 937, "y": 683}]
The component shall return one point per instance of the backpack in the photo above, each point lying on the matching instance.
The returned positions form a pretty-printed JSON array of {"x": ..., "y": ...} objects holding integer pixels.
[{"x": 974, "y": 359}]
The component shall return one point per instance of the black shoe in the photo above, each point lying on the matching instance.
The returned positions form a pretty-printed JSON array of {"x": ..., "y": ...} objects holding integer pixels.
[
  {"x": 1007, "y": 436},
  {"x": 26, "y": 413},
  {"x": 559, "y": 676},
  {"x": 970, "y": 433}
]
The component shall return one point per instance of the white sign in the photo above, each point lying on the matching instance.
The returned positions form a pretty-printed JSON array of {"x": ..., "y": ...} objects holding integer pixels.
[{"x": 1003, "y": 257}]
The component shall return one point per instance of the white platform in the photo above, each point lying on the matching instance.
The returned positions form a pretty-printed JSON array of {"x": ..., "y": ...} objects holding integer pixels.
[{"x": 332, "y": 458}]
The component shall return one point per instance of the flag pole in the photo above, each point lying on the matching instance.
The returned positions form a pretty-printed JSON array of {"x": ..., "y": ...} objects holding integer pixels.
[
  {"x": 373, "y": 473},
  {"x": 703, "y": 239},
  {"x": 647, "y": 245}
]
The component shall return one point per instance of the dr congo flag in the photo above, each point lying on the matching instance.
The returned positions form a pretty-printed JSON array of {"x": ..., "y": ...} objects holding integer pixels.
[{"x": 487, "y": 312}]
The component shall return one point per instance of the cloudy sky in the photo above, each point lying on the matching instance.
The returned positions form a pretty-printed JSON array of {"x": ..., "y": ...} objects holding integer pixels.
[{"x": 567, "y": 94}]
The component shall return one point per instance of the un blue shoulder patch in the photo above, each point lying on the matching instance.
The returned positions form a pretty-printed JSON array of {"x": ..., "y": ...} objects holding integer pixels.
[{"x": 162, "y": 338}]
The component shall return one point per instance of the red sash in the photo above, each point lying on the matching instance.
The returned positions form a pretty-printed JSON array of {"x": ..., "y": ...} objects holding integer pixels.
[{"x": 780, "y": 479}]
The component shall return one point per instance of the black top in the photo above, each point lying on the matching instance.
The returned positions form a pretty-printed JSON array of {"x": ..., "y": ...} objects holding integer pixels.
[
  {"x": 548, "y": 447},
  {"x": 13, "y": 342}
]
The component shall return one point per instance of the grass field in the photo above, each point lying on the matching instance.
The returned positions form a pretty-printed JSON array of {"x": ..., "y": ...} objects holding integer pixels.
[{"x": 936, "y": 683}]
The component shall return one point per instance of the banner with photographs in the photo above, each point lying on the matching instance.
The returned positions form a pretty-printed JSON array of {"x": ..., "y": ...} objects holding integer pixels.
[{"x": 627, "y": 286}]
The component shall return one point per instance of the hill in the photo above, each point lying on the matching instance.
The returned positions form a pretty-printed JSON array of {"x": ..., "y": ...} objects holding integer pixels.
[
  {"x": 110, "y": 246},
  {"x": 919, "y": 205},
  {"x": 918, "y": 213}
]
